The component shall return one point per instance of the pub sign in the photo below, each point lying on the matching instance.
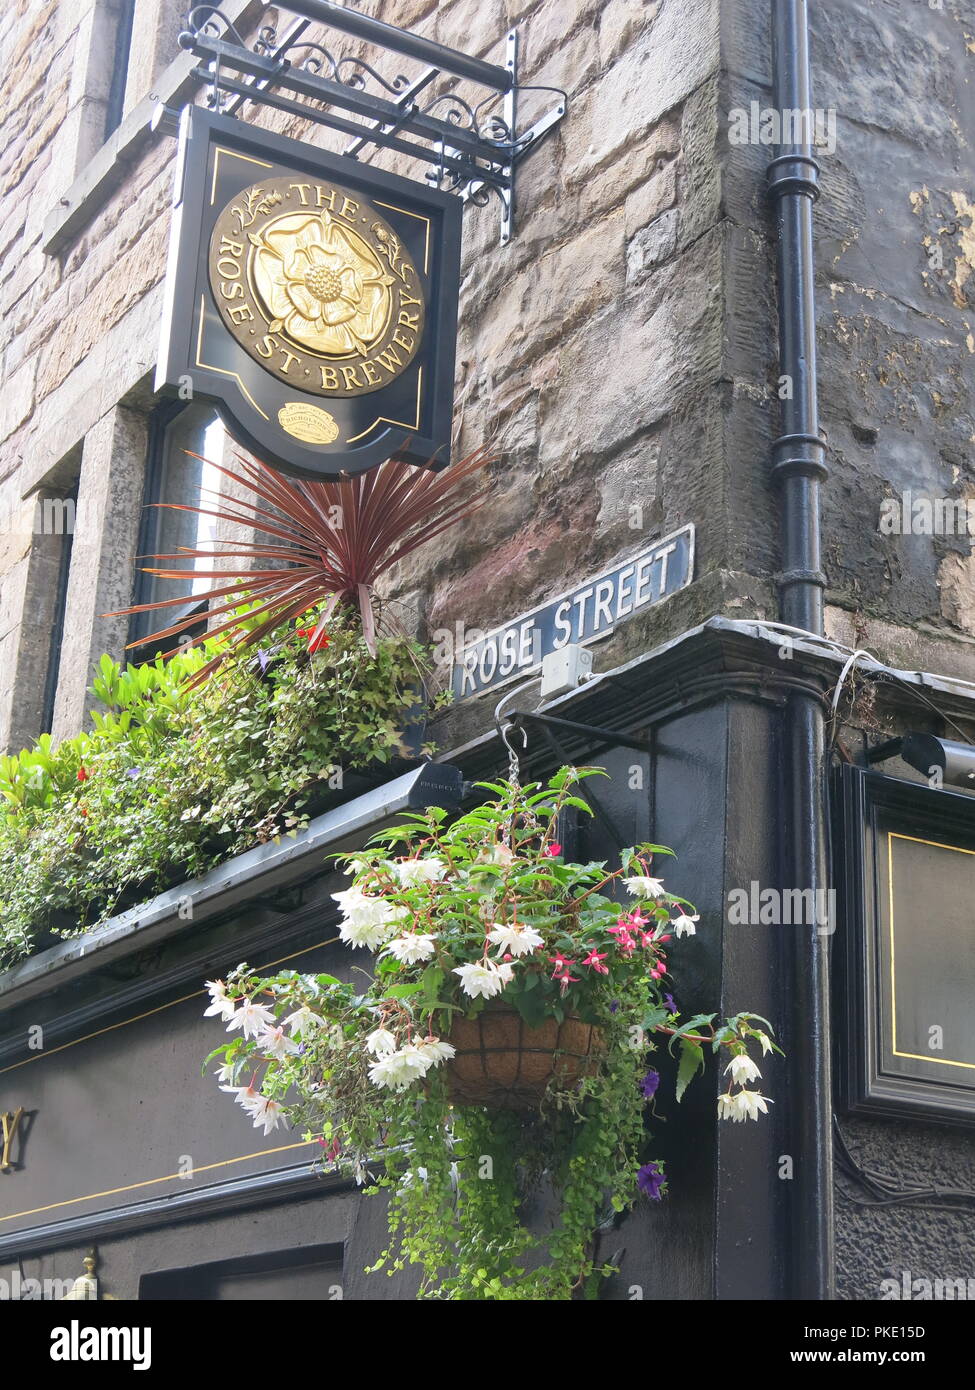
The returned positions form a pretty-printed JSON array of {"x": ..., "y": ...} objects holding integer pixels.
[{"x": 312, "y": 298}]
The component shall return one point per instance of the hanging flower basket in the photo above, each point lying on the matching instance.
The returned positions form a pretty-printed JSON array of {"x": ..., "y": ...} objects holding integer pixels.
[
  {"x": 503, "y": 1041},
  {"x": 503, "y": 1064}
]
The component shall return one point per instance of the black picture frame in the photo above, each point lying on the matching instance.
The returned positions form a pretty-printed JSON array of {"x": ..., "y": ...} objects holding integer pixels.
[
  {"x": 247, "y": 395},
  {"x": 879, "y": 822}
]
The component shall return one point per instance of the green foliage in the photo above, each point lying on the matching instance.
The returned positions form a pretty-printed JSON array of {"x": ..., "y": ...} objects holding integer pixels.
[
  {"x": 468, "y": 914},
  {"x": 172, "y": 779}
]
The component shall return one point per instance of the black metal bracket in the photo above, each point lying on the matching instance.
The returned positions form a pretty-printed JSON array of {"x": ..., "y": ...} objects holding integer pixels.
[
  {"x": 549, "y": 723},
  {"x": 471, "y": 147},
  {"x": 610, "y": 736}
]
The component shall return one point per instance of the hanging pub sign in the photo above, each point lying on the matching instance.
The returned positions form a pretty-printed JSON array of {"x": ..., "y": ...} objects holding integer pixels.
[{"x": 312, "y": 298}]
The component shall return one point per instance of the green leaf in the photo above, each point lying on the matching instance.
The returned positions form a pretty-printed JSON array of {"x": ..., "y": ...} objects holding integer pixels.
[
  {"x": 691, "y": 1062},
  {"x": 402, "y": 991},
  {"x": 696, "y": 1022}
]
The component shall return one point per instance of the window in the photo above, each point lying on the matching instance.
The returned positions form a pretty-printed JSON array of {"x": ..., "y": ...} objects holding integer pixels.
[
  {"x": 115, "y": 100},
  {"x": 177, "y": 432}
]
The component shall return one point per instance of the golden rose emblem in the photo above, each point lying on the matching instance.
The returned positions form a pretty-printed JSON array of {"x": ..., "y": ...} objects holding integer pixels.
[{"x": 322, "y": 283}]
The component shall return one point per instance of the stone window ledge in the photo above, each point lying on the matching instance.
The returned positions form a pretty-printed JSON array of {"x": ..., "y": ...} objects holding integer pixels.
[{"x": 103, "y": 174}]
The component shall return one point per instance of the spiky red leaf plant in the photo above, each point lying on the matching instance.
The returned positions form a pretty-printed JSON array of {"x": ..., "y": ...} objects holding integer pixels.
[{"x": 336, "y": 539}]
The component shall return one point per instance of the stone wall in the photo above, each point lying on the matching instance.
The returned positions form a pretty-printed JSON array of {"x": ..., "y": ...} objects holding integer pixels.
[{"x": 590, "y": 349}]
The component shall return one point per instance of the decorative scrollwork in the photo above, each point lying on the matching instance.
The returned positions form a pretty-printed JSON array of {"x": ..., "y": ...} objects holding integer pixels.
[
  {"x": 317, "y": 59},
  {"x": 493, "y": 128},
  {"x": 460, "y": 113},
  {"x": 266, "y": 41},
  {"x": 201, "y": 21},
  {"x": 356, "y": 80}
]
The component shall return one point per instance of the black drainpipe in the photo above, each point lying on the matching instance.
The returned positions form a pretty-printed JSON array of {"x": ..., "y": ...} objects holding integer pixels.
[{"x": 799, "y": 467}]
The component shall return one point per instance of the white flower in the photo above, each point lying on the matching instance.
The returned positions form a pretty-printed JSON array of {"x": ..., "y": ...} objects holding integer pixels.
[
  {"x": 381, "y": 1040},
  {"x": 742, "y": 1069},
  {"x": 766, "y": 1042},
  {"x": 412, "y": 947},
  {"x": 643, "y": 887},
  {"x": 219, "y": 1002},
  {"x": 410, "y": 872},
  {"x": 684, "y": 925},
  {"x": 226, "y": 1073},
  {"x": 516, "y": 940},
  {"x": 276, "y": 1044},
  {"x": 437, "y": 1051},
  {"x": 743, "y": 1105},
  {"x": 302, "y": 1021},
  {"x": 483, "y": 978},
  {"x": 368, "y": 922},
  {"x": 397, "y": 1070},
  {"x": 262, "y": 1110},
  {"x": 252, "y": 1019}
]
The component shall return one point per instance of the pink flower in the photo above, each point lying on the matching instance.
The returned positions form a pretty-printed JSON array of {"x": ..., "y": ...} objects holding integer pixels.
[
  {"x": 593, "y": 960},
  {"x": 566, "y": 980},
  {"x": 624, "y": 940},
  {"x": 552, "y": 850},
  {"x": 561, "y": 963}
]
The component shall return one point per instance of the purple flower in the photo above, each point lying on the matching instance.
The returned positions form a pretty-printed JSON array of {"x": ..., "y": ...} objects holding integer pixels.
[
  {"x": 650, "y": 1180},
  {"x": 669, "y": 1001},
  {"x": 133, "y": 772},
  {"x": 650, "y": 1083},
  {"x": 263, "y": 658},
  {"x": 614, "y": 1007}
]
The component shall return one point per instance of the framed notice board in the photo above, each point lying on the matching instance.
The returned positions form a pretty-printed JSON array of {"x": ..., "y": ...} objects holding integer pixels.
[{"x": 904, "y": 866}]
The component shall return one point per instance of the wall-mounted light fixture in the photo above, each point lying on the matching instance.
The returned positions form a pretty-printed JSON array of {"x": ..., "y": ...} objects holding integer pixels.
[
  {"x": 953, "y": 763},
  {"x": 86, "y": 1285}
]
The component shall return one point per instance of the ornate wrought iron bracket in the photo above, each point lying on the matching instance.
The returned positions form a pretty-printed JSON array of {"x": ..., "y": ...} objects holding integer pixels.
[{"x": 469, "y": 145}]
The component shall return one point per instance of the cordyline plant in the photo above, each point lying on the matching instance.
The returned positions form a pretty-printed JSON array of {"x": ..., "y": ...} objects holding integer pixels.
[
  {"x": 484, "y": 913},
  {"x": 332, "y": 541}
]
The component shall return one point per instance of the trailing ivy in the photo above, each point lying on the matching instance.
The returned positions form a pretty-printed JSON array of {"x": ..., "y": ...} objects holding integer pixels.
[{"x": 173, "y": 778}]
